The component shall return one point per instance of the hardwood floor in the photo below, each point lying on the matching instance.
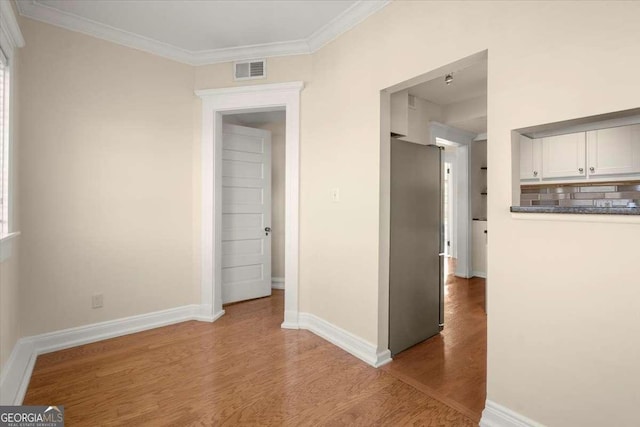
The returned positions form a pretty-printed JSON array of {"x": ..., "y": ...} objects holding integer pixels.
[
  {"x": 452, "y": 366},
  {"x": 245, "y": 370}
]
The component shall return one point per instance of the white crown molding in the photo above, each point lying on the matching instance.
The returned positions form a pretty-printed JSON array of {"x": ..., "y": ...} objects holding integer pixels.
[
  {"x": 49, "y": 15},
  {"x": 495, "y": 415},
  {"x": 266, "y": 50},
  {"x": 348, "y": 19},
  {"x": 16, "y": 373},
  {"x": 10, "y": 34},
  {"x": 342, "y": 23}
]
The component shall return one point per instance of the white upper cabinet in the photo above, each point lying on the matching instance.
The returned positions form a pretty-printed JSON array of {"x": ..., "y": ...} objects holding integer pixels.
[
  {"x": 564, "y": 156},
  {"x": 530, "y": 158},
  {"x": 614, "y": 151}
]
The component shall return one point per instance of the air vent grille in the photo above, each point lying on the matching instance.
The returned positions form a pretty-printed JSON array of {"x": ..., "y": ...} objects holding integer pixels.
[
  {"x": 253, "y": 69},
  {"x": 412, "y": 101}
]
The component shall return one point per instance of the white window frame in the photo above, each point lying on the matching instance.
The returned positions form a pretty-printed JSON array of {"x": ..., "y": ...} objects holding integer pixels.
[{"x": 10, "y": 39}]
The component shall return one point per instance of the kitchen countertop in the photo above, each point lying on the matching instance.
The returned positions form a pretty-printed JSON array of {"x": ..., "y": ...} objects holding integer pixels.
[{"x": 575, "y": 210}]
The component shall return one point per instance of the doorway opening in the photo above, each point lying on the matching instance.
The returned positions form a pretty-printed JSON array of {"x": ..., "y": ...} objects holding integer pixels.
[
  {"x": 216, "y": 104},
  {"x": 436, "y": 206},
  {"x": 253, "y": 223}
]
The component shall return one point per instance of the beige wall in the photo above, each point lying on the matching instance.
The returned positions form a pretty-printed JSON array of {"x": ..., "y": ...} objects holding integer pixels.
[
  {"x": 105, "y": 146},
  {"x": 280, "y": 69},
  {"x": 106, "y": 180},
  {"x": 277, "y": 130},
  {"x": 9, "y": 277},
  {"x": 560, "y": 293}
]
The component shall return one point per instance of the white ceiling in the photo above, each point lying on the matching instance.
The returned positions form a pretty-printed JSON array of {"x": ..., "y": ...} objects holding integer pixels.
[
  {"x": 200, "y": 32},
  {"x": 468, "y": 83},
  {"x": 476, "y": 125},
  {"x": 463, "y": 101}
]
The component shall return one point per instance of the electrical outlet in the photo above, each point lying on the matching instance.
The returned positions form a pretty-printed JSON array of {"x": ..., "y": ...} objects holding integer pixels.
[
  {"x": 97, "y": 301},
  {"x": 335, "y": 195}
]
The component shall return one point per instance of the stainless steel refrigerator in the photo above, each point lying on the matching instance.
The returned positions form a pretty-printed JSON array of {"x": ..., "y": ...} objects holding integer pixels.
[{"x": 416, "y": 285}]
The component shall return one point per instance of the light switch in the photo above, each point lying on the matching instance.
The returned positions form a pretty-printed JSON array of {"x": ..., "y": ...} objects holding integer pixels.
[{"x": 335, "y": 195}]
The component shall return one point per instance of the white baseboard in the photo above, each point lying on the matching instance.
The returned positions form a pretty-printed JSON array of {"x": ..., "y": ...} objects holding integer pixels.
[
  {"x": 495, "y": 415},
  {"x": 277, "y": 283},
  {"x": 479, "y": 274},
  {"x": 17, "y": 371},
  {"x": 353, "y": 344}
]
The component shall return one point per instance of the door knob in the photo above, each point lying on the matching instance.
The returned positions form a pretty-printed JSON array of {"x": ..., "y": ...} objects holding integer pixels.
[
  {"x": 580, "y": 170},
  {"x": 592, "y": 169},
  {"x": 535, "y": 173},
  {"x": 267, "y": 230}
]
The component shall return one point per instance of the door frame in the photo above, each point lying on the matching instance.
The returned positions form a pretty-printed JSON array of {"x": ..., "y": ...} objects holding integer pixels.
[
  {"x": 247, "y": 99},
  {"x": 384, "y": 184},
  {"x": 442, "y": 134}
]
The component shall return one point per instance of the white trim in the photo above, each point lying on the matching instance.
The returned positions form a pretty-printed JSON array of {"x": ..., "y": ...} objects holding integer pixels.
[
  {"x": 10, "y": 34},
  {"x": 495, "y": 415},
  {"x": 481, "y": 274},
  {"x": 351, "y": 17},
  {"x": 6, "y": 245},
  {"x": 348, "y": 19},
  {"x": 350, "y": 343},
  {"x": 462, "y": 140},
  {"x": 215, "y": 103},
  {"x": 273, "y": 87},
  {"x": 277, "y": 283},
  {"x": 585, "y": 127},
  {"x": 17, "y": 371}
]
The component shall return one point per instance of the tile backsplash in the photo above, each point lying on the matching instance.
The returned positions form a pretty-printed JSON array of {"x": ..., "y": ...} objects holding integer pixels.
[{"x": 610, "y": 194}]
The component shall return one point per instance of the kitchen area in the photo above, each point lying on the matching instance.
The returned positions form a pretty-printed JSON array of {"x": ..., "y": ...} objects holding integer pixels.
[{"x": 588, "y": 166}]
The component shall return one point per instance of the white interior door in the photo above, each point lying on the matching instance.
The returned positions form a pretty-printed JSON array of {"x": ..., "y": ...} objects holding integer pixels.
[{"x": 246, "y": 213}]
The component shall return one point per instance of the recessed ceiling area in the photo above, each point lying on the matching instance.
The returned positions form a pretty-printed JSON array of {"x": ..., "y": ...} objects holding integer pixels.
[
  {"x": 205, "y": 25},
  {"x": 199, "y": 32},
  {"x": 463, "y": 103},
  {"x": 468, "y": 83}
]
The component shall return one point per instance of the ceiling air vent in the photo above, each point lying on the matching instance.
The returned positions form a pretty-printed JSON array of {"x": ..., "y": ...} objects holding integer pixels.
[{"x": 253, "y": 69}]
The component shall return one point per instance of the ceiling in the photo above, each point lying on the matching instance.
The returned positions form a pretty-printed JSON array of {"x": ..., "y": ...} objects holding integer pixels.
[
  {"x": 468, "y": 83},
  {"x": 463, "y": 102},
  {"x": 201, "y": 32}
]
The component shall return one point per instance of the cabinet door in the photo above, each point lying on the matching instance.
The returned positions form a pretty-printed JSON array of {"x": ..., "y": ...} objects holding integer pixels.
[
  {"x": 564, "y": 156},
  {"x": 530, "y": 157},
  {"x": 614, "y": 151}
]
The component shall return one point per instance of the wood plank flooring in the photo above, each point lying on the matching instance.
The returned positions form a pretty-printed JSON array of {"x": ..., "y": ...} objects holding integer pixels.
[{"x": 245, "y": 370}]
